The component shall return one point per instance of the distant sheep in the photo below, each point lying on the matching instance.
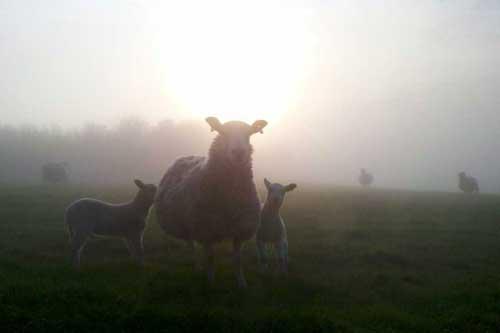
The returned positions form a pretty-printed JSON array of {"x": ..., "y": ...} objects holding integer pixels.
[
  {"x": 87, "y": 217},
  {"x": 272, "y": 229},
  {"x": 365, "y": 178},
  {"x": 55, "y": 172},
  {"x": 212, "y": 199},
  {"x": 467, "y": 184}
]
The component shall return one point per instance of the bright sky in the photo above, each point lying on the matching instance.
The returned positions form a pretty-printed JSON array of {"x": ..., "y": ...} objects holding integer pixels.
[{"x": 78, "y": 61}]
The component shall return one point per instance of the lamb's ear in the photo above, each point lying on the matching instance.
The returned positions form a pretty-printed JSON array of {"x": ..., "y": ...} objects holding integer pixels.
[
  {"x": 139, "y": 183},
  {"x": 267, "y": 183},
  {"x": 290, "y": 187},
  {"x": 214, "y": 123},
  {"x": 258, "y": 126}
]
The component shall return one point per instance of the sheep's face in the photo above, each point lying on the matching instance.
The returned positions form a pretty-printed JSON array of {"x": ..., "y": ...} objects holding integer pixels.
[
  {"x": 276, "y": 192},
  {"x": 235, "y": 139},
  {"x": 147, "y": 192},
  {"x": 461, "y": 175}
]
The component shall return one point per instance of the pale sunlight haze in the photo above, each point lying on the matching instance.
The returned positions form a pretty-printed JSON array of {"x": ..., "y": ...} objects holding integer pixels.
[
  {"x": 409, "y": 90},
  {"x": 231, "y": 60}
]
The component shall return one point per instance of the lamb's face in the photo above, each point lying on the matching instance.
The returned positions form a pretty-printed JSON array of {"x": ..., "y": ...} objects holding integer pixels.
[
  {"x": 461, "y": 175},
  {"x": 276, "y": 192},
  {"x": 147, "y": 192},
  {"x": 235, "y": 143}
]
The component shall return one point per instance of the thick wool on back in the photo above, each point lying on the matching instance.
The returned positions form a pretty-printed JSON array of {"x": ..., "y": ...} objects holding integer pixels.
[{"x": 208, "y": 200}]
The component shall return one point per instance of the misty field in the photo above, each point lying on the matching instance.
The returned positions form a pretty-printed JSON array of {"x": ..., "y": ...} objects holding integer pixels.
[{"x": 360, "y": 261}]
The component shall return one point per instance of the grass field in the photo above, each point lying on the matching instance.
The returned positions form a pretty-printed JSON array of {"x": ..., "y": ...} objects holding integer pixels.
[{"x": 361, "y": 261}]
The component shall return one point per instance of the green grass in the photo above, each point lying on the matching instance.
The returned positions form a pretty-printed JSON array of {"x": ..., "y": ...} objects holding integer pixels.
[{"x": 361, "y": 261}]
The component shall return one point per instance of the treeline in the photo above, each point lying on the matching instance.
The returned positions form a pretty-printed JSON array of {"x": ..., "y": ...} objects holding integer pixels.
[
  {"x": 99, "y": 154},
  {"x": 287, "y": 152}
]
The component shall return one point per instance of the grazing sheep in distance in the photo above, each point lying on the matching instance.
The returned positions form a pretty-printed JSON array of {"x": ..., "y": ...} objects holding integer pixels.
[
  {"x": 467, "y": 184},
  {"x": 87, "y": 217},
  {"x": 272, "y": 229},
  {"x": 365, "y": 178},
  {"x": 55, "y": 172},
  {"x": 212, "y": 199}
]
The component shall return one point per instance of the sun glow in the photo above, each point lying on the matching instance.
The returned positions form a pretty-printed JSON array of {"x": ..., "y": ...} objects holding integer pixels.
[{"x": 234, "y": 62}]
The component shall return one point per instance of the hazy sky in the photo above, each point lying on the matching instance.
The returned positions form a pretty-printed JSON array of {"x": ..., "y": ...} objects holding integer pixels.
[{"x": 407, "y": 88}]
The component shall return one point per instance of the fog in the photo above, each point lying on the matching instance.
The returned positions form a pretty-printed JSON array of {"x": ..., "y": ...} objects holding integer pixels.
[{"x": 408, "y": 89}]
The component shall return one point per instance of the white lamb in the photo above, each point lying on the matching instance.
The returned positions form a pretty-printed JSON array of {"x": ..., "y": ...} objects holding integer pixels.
[
  {"x": 272, "y": 229},
  {"x": 87, "y": 217}
]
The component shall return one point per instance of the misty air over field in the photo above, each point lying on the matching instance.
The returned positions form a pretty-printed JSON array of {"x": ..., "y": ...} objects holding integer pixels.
[
  {"x": 250, "y": 166},
  {"x": 406, "y": 89}
]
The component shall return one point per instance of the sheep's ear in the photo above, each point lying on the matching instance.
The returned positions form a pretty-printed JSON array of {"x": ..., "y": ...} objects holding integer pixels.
[
  {"x": 139, "y": 183},
  {"x": 258, "y": 126},
  {"x": 214, "y": 123},
  {"x": 290, "y": 187},
  {"x": 267, "y": 183}
]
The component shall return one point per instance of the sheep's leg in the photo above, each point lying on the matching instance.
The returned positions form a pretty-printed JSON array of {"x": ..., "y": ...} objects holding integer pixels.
[
  {"x": 78, "y": 240},
  {"x": 136, "y": 247},
  {"x": 262, "y": 255},
  {"x": 209, "y": 261},
  {"x": 282, "y": 252},
  {"x": 196, "y": 263},
  {"x": 240, "y": 277}
]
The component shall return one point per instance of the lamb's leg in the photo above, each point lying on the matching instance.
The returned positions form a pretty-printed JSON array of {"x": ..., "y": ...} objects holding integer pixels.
[
  {"x": 262, "y": 255},
  {"x": 196, "y": 263},
  {"x": 78, "y": 240},
  {"x": 209, "y": 261},
  {"x": 282, "y": 252},
  {"x": 242, "y": 283},
  {"x": 136, "y": 247}
]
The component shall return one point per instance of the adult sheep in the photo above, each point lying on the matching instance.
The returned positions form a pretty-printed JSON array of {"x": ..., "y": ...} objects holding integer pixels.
[
  {"x": 55, "y": 172},
  {"x": 467, "y": 184},
  {"x": 209, "y": 200},
  {"x": 365, "y": 178}
]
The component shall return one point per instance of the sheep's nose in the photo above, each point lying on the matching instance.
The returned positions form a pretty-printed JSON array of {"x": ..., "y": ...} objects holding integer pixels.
[{"x": 238, "y": 154}]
